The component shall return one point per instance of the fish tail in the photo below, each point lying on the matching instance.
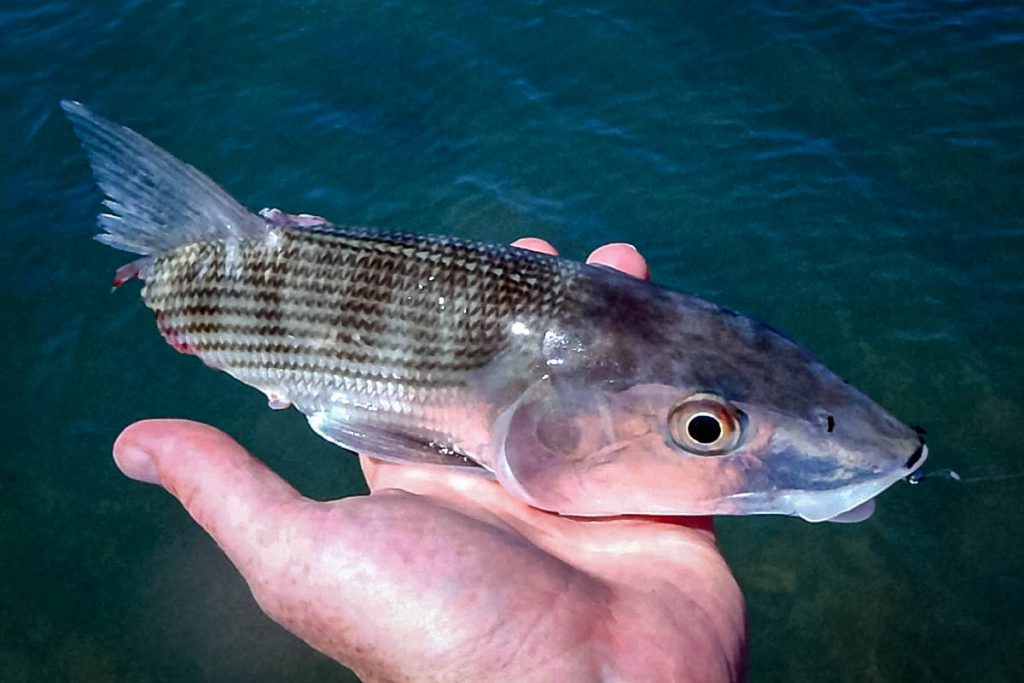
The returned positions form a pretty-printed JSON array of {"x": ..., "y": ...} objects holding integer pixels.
[{"x": 156, "y": 201}]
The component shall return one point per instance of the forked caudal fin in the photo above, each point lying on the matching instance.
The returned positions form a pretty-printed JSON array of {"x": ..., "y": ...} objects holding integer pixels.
[{"x": 156, "y": 202}]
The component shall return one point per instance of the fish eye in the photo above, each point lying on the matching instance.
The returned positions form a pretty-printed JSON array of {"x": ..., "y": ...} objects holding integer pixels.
[
  {"x": 704, "y": 428},
  {"x": 705, "y": 424}
]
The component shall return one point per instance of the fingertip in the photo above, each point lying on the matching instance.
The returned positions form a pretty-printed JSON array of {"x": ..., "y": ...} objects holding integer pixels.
[
  {"x": 186, "y": 457},
  {"x": 535, "y": 244},
  {"x": 135, "y": 450},
  {"x": 621, "y": 256},
  {"x": 135, "y": 462},
  {"x": 141, "y": 447}
]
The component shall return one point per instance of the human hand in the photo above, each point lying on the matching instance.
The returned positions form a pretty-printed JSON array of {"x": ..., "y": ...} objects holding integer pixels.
[{"x": 439, "y": 575}]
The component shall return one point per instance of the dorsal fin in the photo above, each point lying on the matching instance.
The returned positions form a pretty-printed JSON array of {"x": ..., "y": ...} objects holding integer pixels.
[{"x": 157, "y": 202}]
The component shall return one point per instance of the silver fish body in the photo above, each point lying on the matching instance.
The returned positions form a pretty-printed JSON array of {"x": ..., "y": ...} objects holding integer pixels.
[
  {"x": 581, "y": 390},
  {"x": 382, "y": 332}
]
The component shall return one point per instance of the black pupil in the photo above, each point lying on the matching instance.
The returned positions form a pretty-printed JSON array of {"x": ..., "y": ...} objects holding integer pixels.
[{"x": 704, "y": 429}]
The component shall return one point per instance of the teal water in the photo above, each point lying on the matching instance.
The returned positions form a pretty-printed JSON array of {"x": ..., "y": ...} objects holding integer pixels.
[{"x": 850, "y": 173}]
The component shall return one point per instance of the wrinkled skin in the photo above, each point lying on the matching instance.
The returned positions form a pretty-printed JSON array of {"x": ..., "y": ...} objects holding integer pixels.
[{"x": 439, "y": 575}]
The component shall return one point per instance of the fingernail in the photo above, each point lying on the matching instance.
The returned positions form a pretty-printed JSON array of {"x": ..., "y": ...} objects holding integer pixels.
[
  {"x": 617, "y": 244},
  {"x": 136, "y": 464}
]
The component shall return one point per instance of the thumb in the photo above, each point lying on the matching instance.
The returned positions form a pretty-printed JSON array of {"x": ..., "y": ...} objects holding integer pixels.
[{"x": 231, "y": 494}]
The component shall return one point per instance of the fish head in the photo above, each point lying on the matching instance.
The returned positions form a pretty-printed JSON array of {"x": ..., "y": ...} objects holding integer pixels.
[
  {"x": 719, "y": 414},
  {"x": 822, "y": 455}
]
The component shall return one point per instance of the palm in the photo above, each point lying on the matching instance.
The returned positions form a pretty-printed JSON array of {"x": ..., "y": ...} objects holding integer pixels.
[{"x": 441, "y": 575}]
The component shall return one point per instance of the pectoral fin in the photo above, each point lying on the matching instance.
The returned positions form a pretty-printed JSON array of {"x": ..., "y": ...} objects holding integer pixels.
[{"x": 363, "y": 432}]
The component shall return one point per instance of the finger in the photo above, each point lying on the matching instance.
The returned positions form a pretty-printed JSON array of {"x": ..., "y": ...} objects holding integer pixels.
[
  {"x": 535, "y": 244},
  {"x": 621, "y": 256},
  {"x": 226, "y": 490}
]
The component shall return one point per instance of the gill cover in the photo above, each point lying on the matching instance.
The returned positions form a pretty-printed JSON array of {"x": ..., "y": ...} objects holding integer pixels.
[{"x": 579, "y": 450}]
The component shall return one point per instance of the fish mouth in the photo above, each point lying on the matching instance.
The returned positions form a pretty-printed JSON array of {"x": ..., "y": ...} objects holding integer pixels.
[
  {"x": 850, "y": 503},
  {"x": 853, "y": 503}
]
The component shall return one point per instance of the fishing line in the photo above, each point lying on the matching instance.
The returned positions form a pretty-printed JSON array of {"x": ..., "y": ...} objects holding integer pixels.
[
  {"x": 952, "y": 475},
  {"x": 994, "y": 477}
]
